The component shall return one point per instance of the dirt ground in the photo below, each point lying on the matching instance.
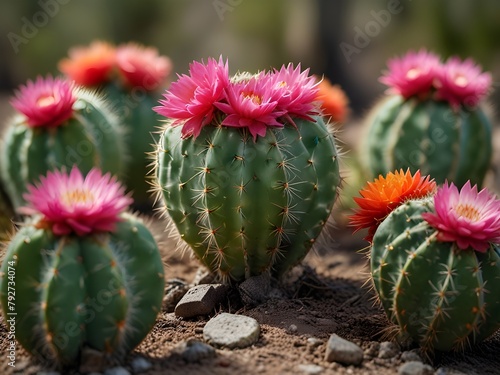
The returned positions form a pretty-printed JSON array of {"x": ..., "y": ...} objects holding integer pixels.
[{"x": 329, "y": 296}]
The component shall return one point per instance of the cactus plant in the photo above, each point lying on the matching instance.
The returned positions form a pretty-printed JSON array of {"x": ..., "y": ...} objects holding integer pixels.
[
  {"x": 130, "y": 76},
  {"x": 58, "y": 125},
  {"x": 80, "y": 272},
  {"x": 249, "y": 180},
  {"x": 435, "y": 263},
  {"x": 432, "y": 120}
]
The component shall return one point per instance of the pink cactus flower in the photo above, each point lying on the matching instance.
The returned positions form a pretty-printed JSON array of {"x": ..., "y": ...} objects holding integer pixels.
[
  {"x": 462, "y": 82},
  {"x": 295, "y": 91},
  {"x": 251, "y": 104},
  {"x": 469, "y": 218},
  {"x": 47, "y": 102},
  {"x": 142, "y": 66},
  {"x": 89, "y": 66},
  {"x": 412, "y": 74},
  {"x": 70, "y": 203},
  {"x": 190, "y": 100}
]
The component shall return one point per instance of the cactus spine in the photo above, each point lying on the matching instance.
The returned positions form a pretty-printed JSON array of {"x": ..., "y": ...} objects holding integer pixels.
[
  {"x": 249, "y": 207},
  {"x": 103, "y": 291},
  {"x": 430, "y": 136},
  {"x": 441, "y": 297},
  {"x": 90, "y": 138}
]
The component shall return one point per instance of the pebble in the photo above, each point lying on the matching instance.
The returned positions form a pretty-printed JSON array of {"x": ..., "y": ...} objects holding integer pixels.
[
  {"x": 140, "y": 364},
  {"x": 231, "y": 331},
  {"x": 193, "y": 351},
  {"x": 292, "y": 328},
  {"x": 200, "y": 300},
  {"x": 117, "y": 371},
  {"x": 314, "y": 342},
  {"x": 415, "y": 368},
  {"x": 411, "y": 355},
  {"x": 343, "y": 351},
  {"x": 388, "y": 349},
  {"x": 255, "y": 289},
  {"x": 310, "y": 369}
]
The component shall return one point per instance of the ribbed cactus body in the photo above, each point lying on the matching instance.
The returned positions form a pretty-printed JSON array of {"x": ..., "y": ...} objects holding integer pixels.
[
  {"x": 430, "y": 136},
  {"x": 140, "y": 132},
  {"x": 247, "y": 207},
  {"x": 90, "y": 138},
  {"x": 440, "y": 296},
  {"x": 102, "y": 291}
]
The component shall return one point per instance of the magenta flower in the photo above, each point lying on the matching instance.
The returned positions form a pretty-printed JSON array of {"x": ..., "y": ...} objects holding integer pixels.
[
  {"x": 142, "y": 66},
  {"x": 413, "y": 74},
  {"x": 251, "y": 104},
  {"x": 74, "y": 204},
  {"x": 467, "y": 217},
  {"x": 190, "y": 100},
  {"x": 46, "y": 102},
  {"x": 462, "y": 82},
  {"x": 295, "y": 91}
]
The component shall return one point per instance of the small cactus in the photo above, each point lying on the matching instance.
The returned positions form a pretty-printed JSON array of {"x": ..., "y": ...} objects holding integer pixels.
[
  {"x": 80, "y": 272},
  {"x": 435, "y": 263},
  {"x": 57, "y": 125},
  {"x": 130, "y": 76},
  {"x": 251, "y": 176},
  {"x": 432, "y": 120}
]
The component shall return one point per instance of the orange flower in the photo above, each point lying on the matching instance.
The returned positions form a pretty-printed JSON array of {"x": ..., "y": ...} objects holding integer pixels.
[
  {"x": 334, "y": 101},
  {"x": 383, "y": 195},
  {"x": 89, "y": 66}
]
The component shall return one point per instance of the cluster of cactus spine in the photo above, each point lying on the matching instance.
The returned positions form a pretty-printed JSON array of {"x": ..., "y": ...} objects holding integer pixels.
[
  {"x": 102, "y": 291},
  {"x": 439, "y": 296},
  {"x": 247, "y": 207},
  {"x": 447, "y": 143},
  {"x": 91, "y": 137}
]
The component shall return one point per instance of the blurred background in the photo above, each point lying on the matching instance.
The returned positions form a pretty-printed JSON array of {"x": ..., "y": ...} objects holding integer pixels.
[{"x": 347, "y": 41}]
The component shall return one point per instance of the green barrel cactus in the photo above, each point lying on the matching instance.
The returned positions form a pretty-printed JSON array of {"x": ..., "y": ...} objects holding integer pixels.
[
  {"x": 58, "y": 125},
  {"x": 81, "y": 274},
  {"x": 437, "y": 294},
  {"x": 249, "y": 198},
  {"x": 432, "y": 120},
  {"x": 130, "y": 76}
]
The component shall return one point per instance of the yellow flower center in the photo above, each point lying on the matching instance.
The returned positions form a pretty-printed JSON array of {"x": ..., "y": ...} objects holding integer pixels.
[
  {"x": 461, "y": 81},
  {"x": 413, "y": 73},
  {"x": 76, "y": 196},
  {"x": 251, "y": 96},
  {"x": 467, "y": 211},
  {"x": 46, "y": 100}
]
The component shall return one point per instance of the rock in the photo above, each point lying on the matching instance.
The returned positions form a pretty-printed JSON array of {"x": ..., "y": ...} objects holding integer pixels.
[
  {"x": 372, "y": 350},
  {"x": 117, "y": 371},
  {"x": 292, "y": 328},
  {"x": 140, "y": 364},
  {"x": 314, "y": 342},
  {"x": 255, "y": 289},
  {"x": 92, "y": 361},
  {"x": 343, "y": 351},
  {"x": 388, "y": 349},
  {"x": 231, "y": 331},
  {"x": 175, "y": 289},
  {"x": 415, "y": 368},
  {"x": 200, "y": 300},
  {"x": 193, "y": 351},
  {"x": 411, "y": 355},
  {"x": 310, "y": 369}
]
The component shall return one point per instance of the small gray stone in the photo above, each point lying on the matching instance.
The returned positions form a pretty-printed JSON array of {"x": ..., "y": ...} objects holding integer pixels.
[
  {"x": 193, "y": 351},
  {"x": 255, "y": 289},
  {"x": 92, "y": 361},
  {"x": 310, "y": 369},
  {"x": 411, "y": 355},
  {"x": 117, "y": 371},
  {"x": 415, "y": 368},
  {"x": 314, "y": 342},
  {"x": 388, "y": 349},
  {"x": 200, "y": 300},
  {"x": 140, "y": 364},
  {"x": 343, "y": 351},
  {"x": 231, "y": 331},
  {"x": 292, "y": 328}
]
